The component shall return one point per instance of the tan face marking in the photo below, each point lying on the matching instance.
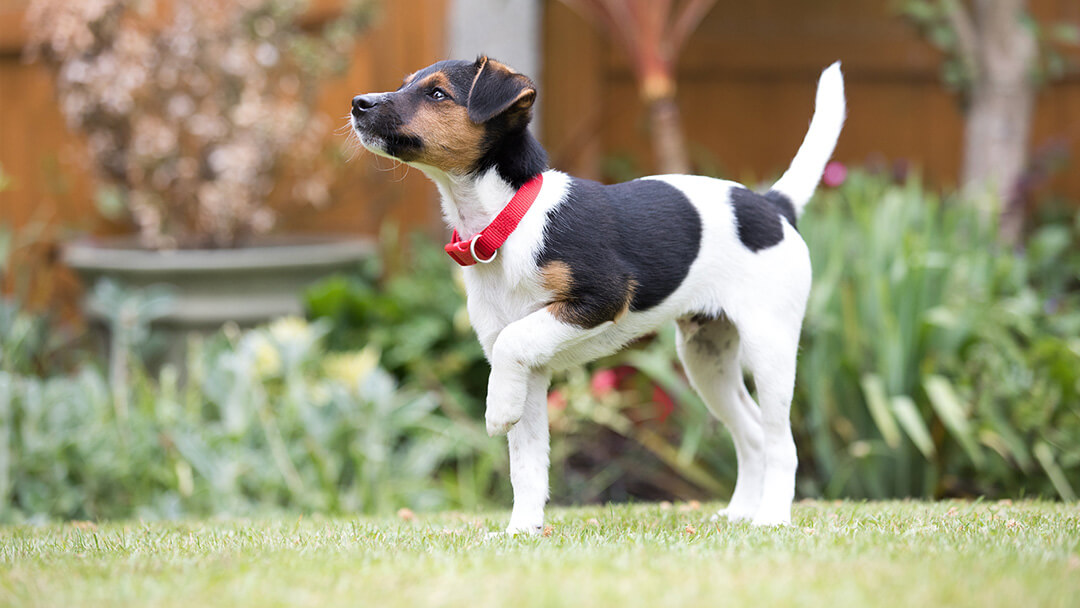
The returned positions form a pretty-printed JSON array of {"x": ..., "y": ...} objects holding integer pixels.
[{"x": 452, "y": 142}]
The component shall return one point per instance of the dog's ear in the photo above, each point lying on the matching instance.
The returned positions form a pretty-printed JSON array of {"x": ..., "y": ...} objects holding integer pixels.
[{"x": 497, "y": 90}]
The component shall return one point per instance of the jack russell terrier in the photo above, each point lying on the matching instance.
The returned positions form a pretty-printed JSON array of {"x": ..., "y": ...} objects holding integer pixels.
[{"x": 560, "y": 271}]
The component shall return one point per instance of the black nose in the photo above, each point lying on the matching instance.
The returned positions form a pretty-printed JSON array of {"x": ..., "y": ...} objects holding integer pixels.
[{"x": 363, "y": 103}]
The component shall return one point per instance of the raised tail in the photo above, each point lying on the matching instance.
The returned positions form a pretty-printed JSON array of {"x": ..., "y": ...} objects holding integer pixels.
[{"x": 802, "y": 177}]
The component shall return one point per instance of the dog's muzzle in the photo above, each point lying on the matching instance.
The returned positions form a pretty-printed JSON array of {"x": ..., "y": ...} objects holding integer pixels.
[{"x": 362, "y": 104}]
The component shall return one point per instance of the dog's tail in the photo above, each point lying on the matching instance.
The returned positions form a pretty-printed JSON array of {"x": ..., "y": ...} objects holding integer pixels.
[{"x": 802, "y": 177}]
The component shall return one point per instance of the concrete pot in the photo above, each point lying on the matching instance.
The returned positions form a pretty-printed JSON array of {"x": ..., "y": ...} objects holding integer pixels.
[{"x": 246, "y": 285}]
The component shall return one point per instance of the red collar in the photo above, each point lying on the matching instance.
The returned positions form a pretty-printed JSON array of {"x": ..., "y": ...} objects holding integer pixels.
[{"x": 485, "y": 244}]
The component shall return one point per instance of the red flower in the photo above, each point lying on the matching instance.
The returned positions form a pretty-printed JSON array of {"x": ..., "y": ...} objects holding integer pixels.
[{"x": 665, "y": 405}]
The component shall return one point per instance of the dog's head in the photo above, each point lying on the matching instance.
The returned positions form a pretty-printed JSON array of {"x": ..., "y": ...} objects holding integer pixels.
[{"x": 449, "y": 115}]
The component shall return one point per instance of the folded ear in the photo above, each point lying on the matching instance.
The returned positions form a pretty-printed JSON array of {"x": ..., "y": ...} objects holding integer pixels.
[{"x": 497, "y": 90}]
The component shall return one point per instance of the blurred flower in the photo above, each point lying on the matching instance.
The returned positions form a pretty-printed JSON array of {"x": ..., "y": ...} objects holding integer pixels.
[
  {"x": 665, "y": 405},
  {"x": 835, "y": 174},
  {"x": 556, "y": 400},
  {"x": 266, "y": 359},
  {"x": 603, "y": 382},
  {"x": 291, "y": 329},
  {"x": 218, "y": 85},
  {"x": 350, "y": 368}
]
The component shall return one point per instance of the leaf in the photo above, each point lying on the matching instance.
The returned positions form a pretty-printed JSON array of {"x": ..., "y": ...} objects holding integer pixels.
[
  {"x": 911, "y": 420},
  {"x": 953, "y": 414},
  {"x": 1065, "y": 33},
  {"x": 878, "y": 403},
  {"x": 1045, "y": 456}
]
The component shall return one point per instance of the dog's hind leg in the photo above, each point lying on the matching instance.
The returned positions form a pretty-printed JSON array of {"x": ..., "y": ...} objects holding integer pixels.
[
  {"x": 529, "y": 449},
  {"x": 709, "y": 351},
  {"x": 769, "y": 351}
]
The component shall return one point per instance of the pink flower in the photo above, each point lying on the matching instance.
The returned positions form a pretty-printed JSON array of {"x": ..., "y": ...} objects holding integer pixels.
[
  {"x": 556, "y": 400},
  {"x": 835, "y": 174},
  {"x": 604, "y": 382}
]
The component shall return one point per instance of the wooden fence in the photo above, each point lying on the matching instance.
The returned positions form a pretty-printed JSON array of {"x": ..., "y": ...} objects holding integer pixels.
[{"x": 746, "y": 91}]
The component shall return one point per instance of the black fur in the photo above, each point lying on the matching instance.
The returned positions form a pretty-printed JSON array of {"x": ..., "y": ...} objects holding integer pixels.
[
  {"x": 510, "y": 147},
  {"x": 759, "y": 218},
  {"x": 783, "y": 204},
  {"x": 641, "y": 236},
  {"x": 517, "y": 156},
  {"x": 494, "y": 90}
]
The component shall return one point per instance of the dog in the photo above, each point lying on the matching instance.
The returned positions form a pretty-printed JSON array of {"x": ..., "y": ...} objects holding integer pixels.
[{"x": 560, "y": 271}]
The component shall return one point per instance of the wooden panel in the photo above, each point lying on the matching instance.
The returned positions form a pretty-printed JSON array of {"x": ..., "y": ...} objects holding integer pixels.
[
  {"x": 53, "y": 186},
  {"x": 52, "y": 181},
  {"x": 746, "y": 88}
]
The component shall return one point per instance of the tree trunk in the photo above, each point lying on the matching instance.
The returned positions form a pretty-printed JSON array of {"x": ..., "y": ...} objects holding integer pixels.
[
  {"x": 996, "y": 149},
  {"x": 1001, "y": 52},
  {"x": 667, "y": 137}
]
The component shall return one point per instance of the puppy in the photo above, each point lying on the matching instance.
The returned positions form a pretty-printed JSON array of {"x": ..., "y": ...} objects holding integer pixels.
[{"x": 560, "y": 271}]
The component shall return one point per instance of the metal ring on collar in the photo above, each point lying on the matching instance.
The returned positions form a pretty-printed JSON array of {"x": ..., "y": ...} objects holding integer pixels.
[{"x": 472, "y": 250}]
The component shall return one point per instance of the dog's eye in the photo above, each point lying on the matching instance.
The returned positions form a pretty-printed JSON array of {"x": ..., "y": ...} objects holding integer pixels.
[{"x": 437, "y": 94}]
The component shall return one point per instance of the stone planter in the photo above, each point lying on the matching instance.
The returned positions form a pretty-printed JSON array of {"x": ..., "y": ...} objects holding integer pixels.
[{"x": 245, "y": 285}]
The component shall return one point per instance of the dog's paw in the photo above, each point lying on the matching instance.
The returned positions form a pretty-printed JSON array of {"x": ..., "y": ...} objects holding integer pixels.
[
  {"x": 505, "y": 406},
  {"x": 500, "y": 421},
  {"x": 734, "y": 514},
  {"x": 767, "y": 519},
  {"x": 524, "y": 530}
]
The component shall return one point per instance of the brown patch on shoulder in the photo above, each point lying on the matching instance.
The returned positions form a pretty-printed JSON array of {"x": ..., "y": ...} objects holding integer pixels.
[
  {"x": 558, "y": 278},
  {"x": 631, "y": 287},
  {"x": 452, "y": 142}
]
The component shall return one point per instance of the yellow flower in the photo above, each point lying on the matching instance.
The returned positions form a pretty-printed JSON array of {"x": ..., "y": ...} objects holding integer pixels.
[
  {"x": 267, "y": 360},
  {"x": 290, "y": 329},
  {"x": 351, "y": 367}
]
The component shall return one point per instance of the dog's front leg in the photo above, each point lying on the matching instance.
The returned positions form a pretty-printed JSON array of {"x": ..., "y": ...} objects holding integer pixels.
[
  {"x": 529, "y": 448},
  {"x": 523, "y": 346},
  {"x": 517, "y": 402}
]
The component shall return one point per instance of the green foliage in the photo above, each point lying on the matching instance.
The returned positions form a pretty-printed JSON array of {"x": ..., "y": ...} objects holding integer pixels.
[
  {"x": 934, "y": 360},
  {"x": 29, "y": 342},
  {"x": 265, "y": 419},
  {"x": 414, "y": 316}
]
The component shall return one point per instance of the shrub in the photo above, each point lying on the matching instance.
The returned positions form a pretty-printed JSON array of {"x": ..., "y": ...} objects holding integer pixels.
[
  {"x": 266, "y": 419},
  {"x": 191, "y": 108},
  {"x": 935, "y": 361}
]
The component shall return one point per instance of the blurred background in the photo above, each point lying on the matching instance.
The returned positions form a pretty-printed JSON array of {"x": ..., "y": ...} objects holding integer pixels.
[{"x": 213, "y": 302}]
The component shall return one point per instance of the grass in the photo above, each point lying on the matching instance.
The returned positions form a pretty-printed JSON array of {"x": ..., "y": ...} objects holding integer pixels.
[{"x": 836, "y": 554}]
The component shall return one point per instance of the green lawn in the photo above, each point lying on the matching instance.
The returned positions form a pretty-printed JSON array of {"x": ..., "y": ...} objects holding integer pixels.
[{"x": 836, "y": 554}]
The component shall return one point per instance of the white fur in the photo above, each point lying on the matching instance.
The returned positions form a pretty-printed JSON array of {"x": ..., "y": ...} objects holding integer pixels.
[
  {"x": 760, "y": 298},
  {"x": 799, "y": 181}
]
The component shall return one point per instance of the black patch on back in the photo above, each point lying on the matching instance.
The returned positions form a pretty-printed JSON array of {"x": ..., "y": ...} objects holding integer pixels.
[
  {"x": 759, "y": 218},
  {"x": 783, "y": 204},
  {"x": 644, "y": 231}
]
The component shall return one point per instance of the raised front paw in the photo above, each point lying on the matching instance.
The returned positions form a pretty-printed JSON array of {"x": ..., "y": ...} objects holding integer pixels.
[
  {"x": 505, "y": 405},
  {"x": 500, "y": 419}
]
